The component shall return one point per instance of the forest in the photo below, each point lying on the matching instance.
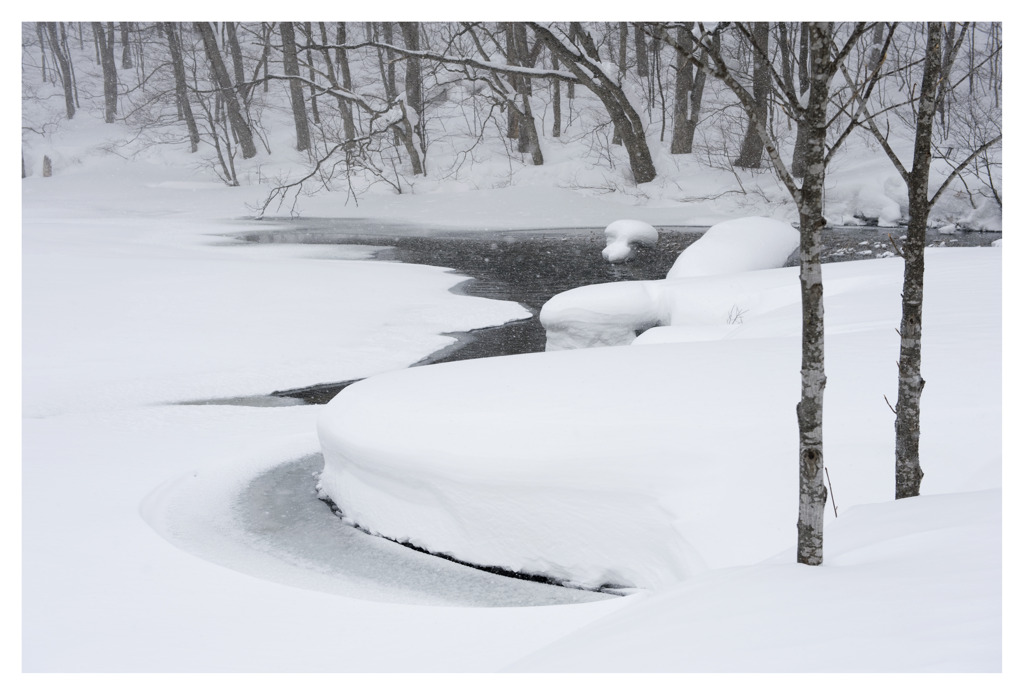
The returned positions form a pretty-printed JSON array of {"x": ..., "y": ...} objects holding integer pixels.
[{"x": 383, "y": 104}]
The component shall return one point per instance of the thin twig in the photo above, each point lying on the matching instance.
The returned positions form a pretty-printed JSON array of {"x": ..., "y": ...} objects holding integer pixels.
[
  {"x": 899, "y": 251},
  {"x": 830, "y": 493},
  {"x": 889, "y": 404}
]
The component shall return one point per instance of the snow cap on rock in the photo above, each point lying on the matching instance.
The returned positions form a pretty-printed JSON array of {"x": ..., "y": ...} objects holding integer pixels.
[{"x": 623, "y": 236}]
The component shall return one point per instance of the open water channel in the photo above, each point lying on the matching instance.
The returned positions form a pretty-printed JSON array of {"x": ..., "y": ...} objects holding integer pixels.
[{"x": 531, "y": 266}]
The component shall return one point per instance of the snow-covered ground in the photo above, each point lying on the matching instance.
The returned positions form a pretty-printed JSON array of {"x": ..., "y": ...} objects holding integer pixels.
[
  {"x": 143, "y": 548},
  {"x": 128, "y": 313}
]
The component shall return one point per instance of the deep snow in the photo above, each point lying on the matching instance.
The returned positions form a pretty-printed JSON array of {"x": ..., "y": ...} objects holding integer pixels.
[{"x": 644, "y": 465}]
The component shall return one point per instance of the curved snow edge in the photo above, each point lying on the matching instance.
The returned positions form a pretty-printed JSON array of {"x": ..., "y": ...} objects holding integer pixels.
[{"x": 613, "y": 589}]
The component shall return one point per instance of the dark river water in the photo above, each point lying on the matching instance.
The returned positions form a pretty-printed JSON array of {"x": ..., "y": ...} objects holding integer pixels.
[{"x": 529, "y": 267}]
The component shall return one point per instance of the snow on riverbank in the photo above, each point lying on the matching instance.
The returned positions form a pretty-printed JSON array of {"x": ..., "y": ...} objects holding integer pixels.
[
  {"x": 850, "y": 615},
  {"x": 645, "y": 466},
  {"x": 133, "y": 305},
  {"x": 708, "y": 290}
]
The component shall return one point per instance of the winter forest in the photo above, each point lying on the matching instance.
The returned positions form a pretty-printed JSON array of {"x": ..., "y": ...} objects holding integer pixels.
[{"x": 406, "y": 347}]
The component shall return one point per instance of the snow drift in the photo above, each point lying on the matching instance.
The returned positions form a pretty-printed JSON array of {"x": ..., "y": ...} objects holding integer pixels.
[
  {"x": 709, "y": 287},
  {"x": 643, "y": 465},
  {"x": 746, "y": 243}
]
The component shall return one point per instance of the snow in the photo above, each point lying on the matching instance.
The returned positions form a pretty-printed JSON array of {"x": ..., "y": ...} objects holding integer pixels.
[
  {"x": 707, "y": 290},
  {"x": 748, "y": 243},
  {"x": 623, "y": 236},
  {"x": 610, "y": 460},
  {"x": 727, "y": 620},
  {"x": 158, "y": 535}
]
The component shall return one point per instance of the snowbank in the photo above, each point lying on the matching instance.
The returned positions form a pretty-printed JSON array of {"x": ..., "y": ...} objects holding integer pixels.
[
  {"x": 623, "y": 236},
  {"x": 644, "y": 465},
  {"x": 746, "y": 620},
  {"x": 708, "y": 286},
  {"x": 747, "y": 243}
]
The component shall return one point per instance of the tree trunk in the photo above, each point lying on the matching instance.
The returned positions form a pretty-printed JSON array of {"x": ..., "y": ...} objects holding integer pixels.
[
  {"x": 105, "y": 42},
  {"x": 682, "y": 131},
  {"x": 799, "y": 164},
  {"x": 753, "y": 148},
  {"x": 556, "y": 102},
  {"x": 414, "y": 79},
  {"x": 341, "y": 56},
  {"x": 623, "y": 54},
  {"x": 911, "y": 384},
  {"x": 521, "y": 112},
  {"x": 126, "y": 49},
  {"x": 643, "y": 66},
  {"x": 307, "y": 28},
  {"x": 64, "y": 68},
  {"x": 611, "y": 95},
  {"x": 404, "y": 134},
  {"x": 875, "y": 54},
  {"x": 181, "y": 85},
  {"x": 388, "y": 64},
  {"x": 227, "y": 91},
  {"x": 689, "y": 93},
  {"x": 810, "y": 520},
  {"x": 291, "y": 68},
  {"x": 510, "y": 56},
  {"x": 235, "y": 50}
]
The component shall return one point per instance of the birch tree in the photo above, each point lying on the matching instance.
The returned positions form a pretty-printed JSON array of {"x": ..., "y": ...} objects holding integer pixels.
[
  {"x": 825, "y": 60},
  {"x": 937, "y": 64}
]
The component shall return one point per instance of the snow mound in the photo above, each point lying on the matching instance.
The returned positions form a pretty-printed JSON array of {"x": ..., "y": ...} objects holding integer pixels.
[
  {"x": 619, "y": 313},
  {"x": 747, "y": 243},
  {"x": 709, "y": 285},
  {"x": 600, "y": 315},
  {"x": 623, "y": 236}
]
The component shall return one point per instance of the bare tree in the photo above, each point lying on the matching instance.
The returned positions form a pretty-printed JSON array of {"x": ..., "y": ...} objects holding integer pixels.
[
  {"x": 126, "y": 49},
  {"x": 231, "y": 34},
  {"x": 825, "y": 60},
  {"x": 521, "y": 112},
  {"x": 341, "y": 56},
  {"x": 414, "y": 80},
  {"x": 689, "y": 92},
  {"x": 220, "y": 74},
  {"x": 643, "y": 65},
  {"x": 181, "y": 84},
  {"x": 105, "y": 47},
  {"x": 291, "y": 69},
  {"x": 580, "y": 56},
  {"x": 63, "y": 68},
  {"x": 938, "y": 60},
  {"x": 752, "y": 149}
]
